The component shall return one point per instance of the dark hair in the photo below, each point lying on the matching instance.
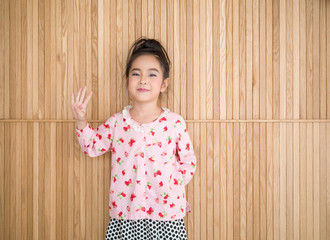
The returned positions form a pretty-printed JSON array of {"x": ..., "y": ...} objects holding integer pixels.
[{"x": 144, "y": 46}]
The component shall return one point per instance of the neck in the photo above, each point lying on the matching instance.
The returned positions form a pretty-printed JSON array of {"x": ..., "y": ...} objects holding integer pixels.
[{"x": 145, "y": 108}]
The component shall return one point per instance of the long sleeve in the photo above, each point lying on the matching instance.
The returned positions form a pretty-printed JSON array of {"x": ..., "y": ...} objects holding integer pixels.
[
  {"x": 185, "y": 151},
  {"x": 96, "y": 142}
]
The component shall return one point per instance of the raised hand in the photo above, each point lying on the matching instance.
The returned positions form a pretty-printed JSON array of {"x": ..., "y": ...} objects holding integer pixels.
[{"x": 79, "y": 106}]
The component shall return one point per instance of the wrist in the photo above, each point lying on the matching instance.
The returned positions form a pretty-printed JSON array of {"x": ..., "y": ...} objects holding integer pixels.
[{"x": 81, "y": 124}]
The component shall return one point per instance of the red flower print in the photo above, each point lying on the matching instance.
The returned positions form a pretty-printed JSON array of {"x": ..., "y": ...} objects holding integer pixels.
[
  {"x": 126, "y": 154},
  {"x": 132, "y": 197},
  {"x": 94, "y": 141},
  {"x": 114, "y": 204},
  {"x": 161, "y": 215},
  {"x": 121, "y": 195},
  {"x": 109, "y": 136},
  {"x": 99, "y": 136},
  {"x": 128, "y": 209},
  {"x": 187, "y": 147},
  {"x": 123, "y": 172},
  {"x": 78, "y": 134},
  {"x": 134, "y": 168},
  {"x": 150, "y": 211},
  {"x": 165, "y": 129},
  {"x": 157, "y": 172},
  {"x": 160, "y": 184},
  {"x": 85, "y": 152},
  {"x": 164, "y": 154},
  {"x": 121, "y": 140},
  {"x": 152, "y": 132},
  {"x": 162, "y": 119},
  {"x": 103, "y": 150},
  {"x": 178, "y": 121},
  {"x": 138, "y": 181},
  {"x": 193, "y": 164},
  {"x": 164, "y": 201},
  {"x": 176, "y": 181},
  {"x": 131, "y": 142},
  {"x": 151, "y": 159},
  {"x": 113, "y": 150},
  {"x": 120, "y": 214},
  {"x": 172, "y": 217},
  {"x": 119, "y": 161},
  {"x": 172, "y": 205},
  {"x": 114, "y": 178},
  {"x": 127, "y": 128},
  {"x": 106, "y": 125},
  {"x": 157, "y": 200},
  {"x": 128, "y": 183},
  {"x": 169, "y": 140},
  {"x": 148, "y": 185}
]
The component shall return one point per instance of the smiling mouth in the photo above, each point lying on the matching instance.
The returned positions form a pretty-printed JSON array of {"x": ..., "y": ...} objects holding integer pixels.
[{"x": 143, "y": 90}]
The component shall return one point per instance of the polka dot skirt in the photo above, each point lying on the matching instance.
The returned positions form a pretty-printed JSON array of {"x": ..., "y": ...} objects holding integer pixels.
[{"x": 146, "y": 229}]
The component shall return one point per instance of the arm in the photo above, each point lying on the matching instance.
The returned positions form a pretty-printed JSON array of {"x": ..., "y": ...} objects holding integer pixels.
[
  {"x": 96, "y": 142},
  {"x": 187, "y": 158}
]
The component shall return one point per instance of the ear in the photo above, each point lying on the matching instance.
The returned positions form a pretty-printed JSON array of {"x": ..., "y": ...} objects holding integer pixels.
[{"x": 164, "y": 84}]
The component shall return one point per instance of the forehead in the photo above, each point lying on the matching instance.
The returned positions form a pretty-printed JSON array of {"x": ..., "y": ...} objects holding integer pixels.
[{"x": 145, "y": 62}]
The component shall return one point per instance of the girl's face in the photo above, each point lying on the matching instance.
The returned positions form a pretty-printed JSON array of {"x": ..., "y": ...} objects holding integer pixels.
[{"x": 145, "y": 80}]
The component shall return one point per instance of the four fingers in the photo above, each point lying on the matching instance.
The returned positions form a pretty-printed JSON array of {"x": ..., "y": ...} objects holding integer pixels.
[{"x": 80, "y": 98}]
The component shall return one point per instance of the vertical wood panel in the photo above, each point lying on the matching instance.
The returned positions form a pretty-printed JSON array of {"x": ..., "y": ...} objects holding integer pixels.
[{"x": 262, "y": 61}]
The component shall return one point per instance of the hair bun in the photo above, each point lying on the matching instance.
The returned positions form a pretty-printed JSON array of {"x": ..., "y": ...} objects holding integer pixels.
[{"x": 151, "y": 46}]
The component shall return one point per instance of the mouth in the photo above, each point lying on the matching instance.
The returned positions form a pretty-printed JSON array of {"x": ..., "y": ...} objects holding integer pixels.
[{"x": 142, "y": 90}]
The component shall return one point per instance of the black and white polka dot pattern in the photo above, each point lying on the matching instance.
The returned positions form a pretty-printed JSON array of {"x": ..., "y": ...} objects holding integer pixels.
[{"x": 146, "y": 229}]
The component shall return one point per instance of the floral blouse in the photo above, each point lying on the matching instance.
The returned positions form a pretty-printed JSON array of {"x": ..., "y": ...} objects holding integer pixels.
[{"x": 151, "y": 164}]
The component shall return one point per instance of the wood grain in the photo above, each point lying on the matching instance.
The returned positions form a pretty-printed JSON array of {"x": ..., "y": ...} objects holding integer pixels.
[{"x": 250, "y": 77}]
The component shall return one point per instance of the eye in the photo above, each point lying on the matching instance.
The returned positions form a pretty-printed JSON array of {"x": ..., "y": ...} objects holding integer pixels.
[
  {"x": 135, "y": 74},
  {"x": 153, "y": 75}
]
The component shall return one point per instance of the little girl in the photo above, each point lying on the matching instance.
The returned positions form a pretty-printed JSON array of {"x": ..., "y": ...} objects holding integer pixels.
[{"x": 152, "y": 155}]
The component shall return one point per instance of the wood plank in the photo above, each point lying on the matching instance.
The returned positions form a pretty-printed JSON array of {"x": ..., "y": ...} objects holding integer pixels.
[
  {"x": 303, "y": 181},
  {"x": 289, "y": 181},
  {"x": 230, "y": 182},
  {"x": 236, "y": 183},
  {"x": 263, "y": 180},
  {"x": 210, "y": 180},
  {"x": 302, "y": 60},
  {"x": 296, "y": 181},
  {"x": 242, "y": 60},
  {"x": 229, "y": 59},
  {"x": 270, "y": 182},
  {"x": 296, "y": 59},
  {"x": 316, "y": 179},
  {"x": 197, "y": 185},
  {"x": 216, "y": 182},
  {"x": 250, "y": 221},
  {"x": 2, "y": 181},
  {"x": 243, "y": 180},
  {"x": 256, "y": 55},
  {"x": 323, "y": 59},
  {"x": 223, "y": 60},
  {"x": 209, "y": 61},
  {"x": 309, "y": 182},
  {"x": 255, "y": 148},
  {"x": 223, "y": 183}
]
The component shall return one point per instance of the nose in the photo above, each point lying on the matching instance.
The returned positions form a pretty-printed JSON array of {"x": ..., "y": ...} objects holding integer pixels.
[{"x": 143, "y": 79}]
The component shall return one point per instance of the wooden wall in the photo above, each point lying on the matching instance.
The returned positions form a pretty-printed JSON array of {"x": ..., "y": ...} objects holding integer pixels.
[{"x": 251, "y": 78}]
